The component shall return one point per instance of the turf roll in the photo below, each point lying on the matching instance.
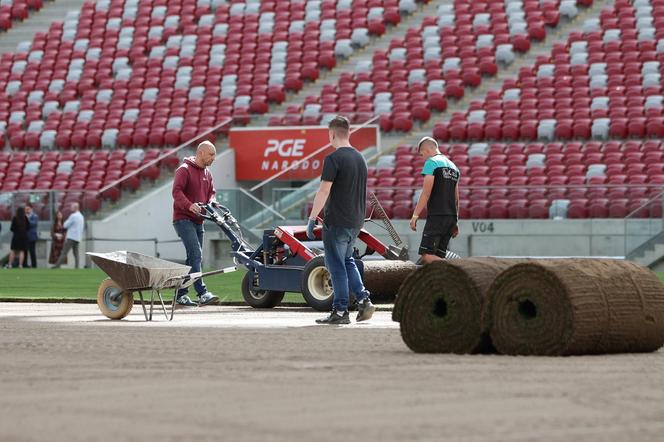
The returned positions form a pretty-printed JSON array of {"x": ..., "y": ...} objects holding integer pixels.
[
  {"x": 575, "y": 307},
  {"x": 439, "y": 306},
  {"x": 383, "y": 277}
]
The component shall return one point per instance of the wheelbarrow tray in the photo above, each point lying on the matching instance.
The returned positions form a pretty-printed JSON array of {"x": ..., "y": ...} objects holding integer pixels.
[{"x": 134, "y": 271}]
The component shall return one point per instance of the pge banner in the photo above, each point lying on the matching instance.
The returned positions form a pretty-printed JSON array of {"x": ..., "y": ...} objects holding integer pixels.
[{"x": 262, "y": 152}]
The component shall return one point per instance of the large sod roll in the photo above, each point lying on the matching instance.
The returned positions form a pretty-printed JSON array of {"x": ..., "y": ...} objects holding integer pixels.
[
  {"x": 576, "y": 306},
  {"x": 382, "y": 278},
  {"x": 439, "y": 306}
]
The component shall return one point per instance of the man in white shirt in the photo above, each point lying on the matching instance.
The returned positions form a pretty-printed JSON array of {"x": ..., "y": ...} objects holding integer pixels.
[{"x": 75, "y": 224}]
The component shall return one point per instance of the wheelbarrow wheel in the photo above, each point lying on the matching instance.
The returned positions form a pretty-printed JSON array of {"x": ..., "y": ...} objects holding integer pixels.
[
  {"x": 259, "y": 298},
  {"x": 113, "y": 302},
  {"x": 317, "y": 285}
]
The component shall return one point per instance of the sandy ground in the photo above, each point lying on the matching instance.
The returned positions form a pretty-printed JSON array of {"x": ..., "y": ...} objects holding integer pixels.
[{"x": 236, "y": 374}]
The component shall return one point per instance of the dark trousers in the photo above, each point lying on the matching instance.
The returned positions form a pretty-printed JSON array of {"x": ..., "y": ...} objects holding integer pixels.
[
  {"x": 70, "y": 244},
  {"x": 31, "y": 251}
]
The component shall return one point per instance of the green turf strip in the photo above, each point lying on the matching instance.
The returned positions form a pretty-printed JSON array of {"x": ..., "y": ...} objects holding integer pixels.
[
  {"x": 43, "y": 284},
  {"x": 83, "y": 283}
]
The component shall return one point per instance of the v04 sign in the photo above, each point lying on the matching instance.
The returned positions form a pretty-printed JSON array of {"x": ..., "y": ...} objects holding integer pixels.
[{"x": 482, "y": 227}]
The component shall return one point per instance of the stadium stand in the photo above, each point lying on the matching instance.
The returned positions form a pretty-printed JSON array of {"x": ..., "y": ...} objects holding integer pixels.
[
  {"x": 436, "y": 60},
  {"x": 535, "y": 180},
  {"x": 75, "y": 174},
  {"x": 17, "y": 10},
  {"x": 603, "y": 82},
  {"x": 132, "y": 75},
  {"x": 101, "y": 93}
]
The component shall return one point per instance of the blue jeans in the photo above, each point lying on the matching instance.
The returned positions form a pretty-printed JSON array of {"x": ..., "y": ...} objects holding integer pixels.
[
  {"x": 191, "y": 235},
  {"x": 338, "y": 244}
]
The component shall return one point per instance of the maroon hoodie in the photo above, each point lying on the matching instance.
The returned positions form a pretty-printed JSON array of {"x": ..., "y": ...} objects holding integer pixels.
[{"x": 192, "y": 184}]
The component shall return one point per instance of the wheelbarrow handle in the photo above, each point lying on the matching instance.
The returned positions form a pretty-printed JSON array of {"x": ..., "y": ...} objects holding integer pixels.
[
  {"x": 191, "y": 278},
  {"x": 217, "y": 272}
]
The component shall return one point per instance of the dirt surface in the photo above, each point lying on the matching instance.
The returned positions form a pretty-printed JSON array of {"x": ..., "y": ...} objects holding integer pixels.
[{"x": 237, "y": 374}]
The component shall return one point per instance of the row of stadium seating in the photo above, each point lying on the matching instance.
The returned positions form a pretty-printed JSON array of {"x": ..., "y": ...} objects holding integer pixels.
[
  {"x": 541, "y": 208},
  {"x": 437, "y": 59},
  {"x": 499, "y": 180},
  {"x": 399, "y": 204},
  {"x": 88, "y": 171},
  {"x": 534, "y": 180},
  {"x": 17, "y": 10},
  {"x": 604, "y": 82},
  {"x": 137, "y": 74}
]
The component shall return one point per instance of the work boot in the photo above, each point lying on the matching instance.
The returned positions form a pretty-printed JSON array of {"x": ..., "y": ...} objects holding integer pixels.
[
  {"x": 365, "y": 310},
  {"x": 206, "y": 299},
  {"x": 335, "y": 319},
  {"x": 185, "y": 301}
]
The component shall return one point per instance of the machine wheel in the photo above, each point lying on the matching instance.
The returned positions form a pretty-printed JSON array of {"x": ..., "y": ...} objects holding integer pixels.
[
  {"x": 112, "y": 301},
  {"x": 317, "y": 285},
  {"x": 259, "y": 298}
]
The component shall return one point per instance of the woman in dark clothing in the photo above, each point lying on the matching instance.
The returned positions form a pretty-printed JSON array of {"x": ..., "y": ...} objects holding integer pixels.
[
  {"x": 57, "y": 238},
  {"x": 19, "y": 242}
]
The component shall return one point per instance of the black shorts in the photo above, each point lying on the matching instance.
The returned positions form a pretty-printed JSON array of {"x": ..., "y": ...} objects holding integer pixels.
[{"x": 437, "y": 234}]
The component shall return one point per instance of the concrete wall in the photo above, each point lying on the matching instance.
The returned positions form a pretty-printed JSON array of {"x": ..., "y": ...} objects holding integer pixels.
[
  {"x": 591, "y": 237},
  {"x": 5, "y": 238}
]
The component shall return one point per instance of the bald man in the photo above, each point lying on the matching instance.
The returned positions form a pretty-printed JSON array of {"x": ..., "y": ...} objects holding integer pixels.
[
  {"x": 193, "y": 185},
  {"x": 75, "y": 224}
]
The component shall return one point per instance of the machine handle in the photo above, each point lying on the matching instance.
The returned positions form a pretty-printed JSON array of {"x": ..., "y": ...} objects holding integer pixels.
[{"x": 208, "y": 210}]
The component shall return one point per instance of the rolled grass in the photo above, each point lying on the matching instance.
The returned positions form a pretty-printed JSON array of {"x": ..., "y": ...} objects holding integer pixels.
[
  {"x": 440, "y": 305},
  {"x": 576, "y": 307}
]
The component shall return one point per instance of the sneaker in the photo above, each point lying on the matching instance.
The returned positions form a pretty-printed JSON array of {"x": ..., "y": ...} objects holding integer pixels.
[
  {"x": 335, "y": 319},
  {"x": 185, "y": 301},
  {"x": 206, "y": 299},
  {"x": 365, "y": 310}
]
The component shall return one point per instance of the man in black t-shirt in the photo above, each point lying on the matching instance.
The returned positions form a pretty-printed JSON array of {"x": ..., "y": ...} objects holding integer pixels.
[
  {"x": 440, "y": 195},
  {"x": 342, "y": 191}
]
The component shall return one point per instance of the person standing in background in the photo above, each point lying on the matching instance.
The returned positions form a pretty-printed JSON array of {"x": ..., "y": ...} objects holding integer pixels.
[
  {"x": 58, "y": 233},
  {"x": 33, "y": 220},
  {"x": 19, "y": 242},
  {"x": 75, "y": 225}
]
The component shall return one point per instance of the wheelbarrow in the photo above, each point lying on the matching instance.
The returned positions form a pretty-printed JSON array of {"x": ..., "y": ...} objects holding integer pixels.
[{"x": 131, "y": 272}]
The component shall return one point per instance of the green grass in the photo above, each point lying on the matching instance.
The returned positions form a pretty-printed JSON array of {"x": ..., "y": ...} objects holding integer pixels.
[{"x": 83, "y": 284}]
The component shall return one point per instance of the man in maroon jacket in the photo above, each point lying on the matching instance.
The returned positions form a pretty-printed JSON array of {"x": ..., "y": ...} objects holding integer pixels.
[{"x": 192, "y": 185}]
